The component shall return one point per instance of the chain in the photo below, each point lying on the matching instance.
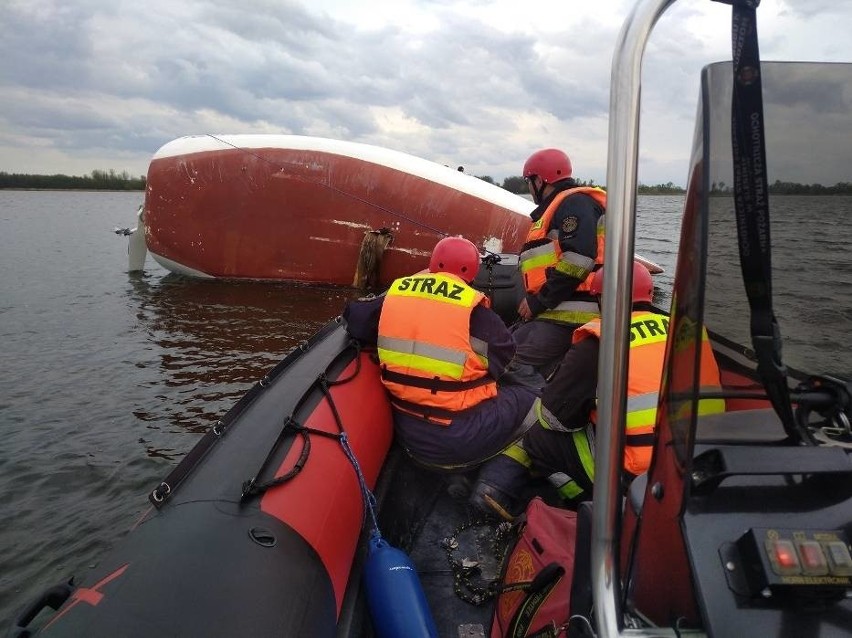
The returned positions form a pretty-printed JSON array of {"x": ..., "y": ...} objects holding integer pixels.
[{"x": 469, "y": 583}]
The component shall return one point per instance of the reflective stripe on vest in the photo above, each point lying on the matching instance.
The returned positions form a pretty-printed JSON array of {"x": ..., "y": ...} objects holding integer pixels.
[
  {"x": 648, "y": 335},
  {"x": 565, "y": 486},
  {"x": 517, "y": 453},
  {"x": 444, "y": 362},
  {"x": 584, "y": 450},
  {"x": 572, "y": 312},
  {"x": 648, "y": 332},
  {"x": 427, "y": 354},
  {"x": 542, "y": 251},
  {"x": 709, "y": 380}
]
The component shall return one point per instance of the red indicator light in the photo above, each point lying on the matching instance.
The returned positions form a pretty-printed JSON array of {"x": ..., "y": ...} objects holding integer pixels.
[
  {"x": 782, "y": 557},
  {"x": 786, "y": 555}
]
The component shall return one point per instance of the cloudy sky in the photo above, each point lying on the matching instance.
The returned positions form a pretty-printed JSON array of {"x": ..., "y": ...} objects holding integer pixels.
[{"x": 97, "y": 84}]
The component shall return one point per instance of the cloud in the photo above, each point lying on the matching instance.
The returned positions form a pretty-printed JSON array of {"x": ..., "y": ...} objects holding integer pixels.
[{"x": 480, "y": 83}]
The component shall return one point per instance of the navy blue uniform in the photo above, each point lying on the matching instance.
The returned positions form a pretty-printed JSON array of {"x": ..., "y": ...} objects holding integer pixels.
[
  {"x": 542, "y": 344},
  {"x": 476, "y": 434}
]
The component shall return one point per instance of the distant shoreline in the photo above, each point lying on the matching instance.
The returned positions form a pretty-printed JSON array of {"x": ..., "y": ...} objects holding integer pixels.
[
  {"x": 98, "y": 180},
  {"x": 71, "y": 190}
]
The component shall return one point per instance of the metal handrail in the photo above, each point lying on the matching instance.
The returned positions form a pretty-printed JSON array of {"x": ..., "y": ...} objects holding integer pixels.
[{"x": 621, "y": 180}]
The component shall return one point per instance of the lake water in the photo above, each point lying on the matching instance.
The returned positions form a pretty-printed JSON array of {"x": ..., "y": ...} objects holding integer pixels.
[{"x": 107, "y": 379}]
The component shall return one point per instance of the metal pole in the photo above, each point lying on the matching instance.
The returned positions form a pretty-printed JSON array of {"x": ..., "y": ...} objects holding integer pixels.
[{"x": 621, "y": 182}]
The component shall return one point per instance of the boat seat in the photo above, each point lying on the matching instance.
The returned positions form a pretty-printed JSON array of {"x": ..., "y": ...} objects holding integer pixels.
[
  {"x": 744, "y": 427},
  {"x": 759, "y": 426}
]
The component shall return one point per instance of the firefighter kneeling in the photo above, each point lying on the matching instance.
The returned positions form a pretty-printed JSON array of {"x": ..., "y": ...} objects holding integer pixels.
[
  {"x": 442, "y": 351},
  {"x": 561, "y": 444}
]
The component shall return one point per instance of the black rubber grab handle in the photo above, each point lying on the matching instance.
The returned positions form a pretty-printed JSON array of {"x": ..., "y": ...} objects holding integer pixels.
[{"x": 53, "y": 597}]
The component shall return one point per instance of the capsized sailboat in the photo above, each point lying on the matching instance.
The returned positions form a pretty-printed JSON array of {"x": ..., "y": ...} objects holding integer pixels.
[
  {"x": 742, "y": 525},
  {"x": 298, "y": 208}
]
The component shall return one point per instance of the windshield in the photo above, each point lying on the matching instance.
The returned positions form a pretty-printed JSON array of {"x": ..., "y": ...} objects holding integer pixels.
[
  {"x": 808, "y": 130},
  {"x": 808, "y": 113}
]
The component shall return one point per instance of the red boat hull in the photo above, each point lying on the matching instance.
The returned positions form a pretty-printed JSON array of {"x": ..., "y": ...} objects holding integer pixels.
[{"x": 294, "y": 208}]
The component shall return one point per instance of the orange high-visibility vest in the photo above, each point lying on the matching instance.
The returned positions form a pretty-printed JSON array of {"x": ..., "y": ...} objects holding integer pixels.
[
  {"x": 542, "y": 251},
  {"x": 648, "y": 333},
  {"x": 427, "y": 354}
]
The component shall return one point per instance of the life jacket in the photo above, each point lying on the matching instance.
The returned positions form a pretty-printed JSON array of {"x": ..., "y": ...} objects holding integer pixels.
[
  {"x": 431, "y": 365},
  {"x": 648, "y": 333},
  {"x": 542, "y": 251}
]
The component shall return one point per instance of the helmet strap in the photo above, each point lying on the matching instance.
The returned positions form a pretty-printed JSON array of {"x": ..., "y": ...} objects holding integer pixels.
[{"x": 538, "y": 191}]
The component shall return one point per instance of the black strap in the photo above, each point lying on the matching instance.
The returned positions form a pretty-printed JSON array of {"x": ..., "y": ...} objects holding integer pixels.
[
  {"x": 584, "y": 295},
  {"x": 542, "y": 241},
  {"x": 639, "y": 440},
  {"x": 427, "y": 411},
  {"x": 176, "y": 477},
  {"x": 291, "y": 427},
  {"x": 435, "y": 385},
  {"x": 751, "y": 202},
  {"x": 254, "y": 487},
  {"x": 537, "y": 592}
]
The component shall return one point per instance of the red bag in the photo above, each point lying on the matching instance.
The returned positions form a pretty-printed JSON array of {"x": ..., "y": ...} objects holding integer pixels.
[{"x": 536, "y": 583}]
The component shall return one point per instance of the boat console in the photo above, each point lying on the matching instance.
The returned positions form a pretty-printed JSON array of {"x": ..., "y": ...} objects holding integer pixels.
[{"x": 743, "y": 524}]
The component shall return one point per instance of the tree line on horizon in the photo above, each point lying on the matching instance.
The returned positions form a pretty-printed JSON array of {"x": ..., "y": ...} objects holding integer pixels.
[
  {"x": 790, "y": 188},
  {"x": 98, "y": 180},
  {"x": 123, "y": 181},
  {"x": 518, "y": 185}
]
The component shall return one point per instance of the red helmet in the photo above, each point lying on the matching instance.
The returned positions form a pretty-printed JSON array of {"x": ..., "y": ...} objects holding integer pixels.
[
  {"x": 457, "y": 256},
  {"x": 550, "y": 164},
  {"x": 643, "y": 284}
]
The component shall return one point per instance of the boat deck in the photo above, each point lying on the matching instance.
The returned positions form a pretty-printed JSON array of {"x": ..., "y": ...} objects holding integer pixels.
[{"x": 418, "y": 515}]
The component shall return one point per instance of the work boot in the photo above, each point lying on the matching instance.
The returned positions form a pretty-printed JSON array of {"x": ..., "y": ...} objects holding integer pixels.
[{"x": 458, "y": 487}]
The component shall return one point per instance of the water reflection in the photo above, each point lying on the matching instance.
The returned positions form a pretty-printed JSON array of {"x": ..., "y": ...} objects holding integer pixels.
[
  {"x": 207, "y": 342},
  {"x": 199, "y": 345},
  {"x": 811, "y": 277},
  {"x": 808, "y": 135}
]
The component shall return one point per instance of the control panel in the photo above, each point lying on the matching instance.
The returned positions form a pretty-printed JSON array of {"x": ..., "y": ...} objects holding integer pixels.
[{"x": 795, "y": 560}]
